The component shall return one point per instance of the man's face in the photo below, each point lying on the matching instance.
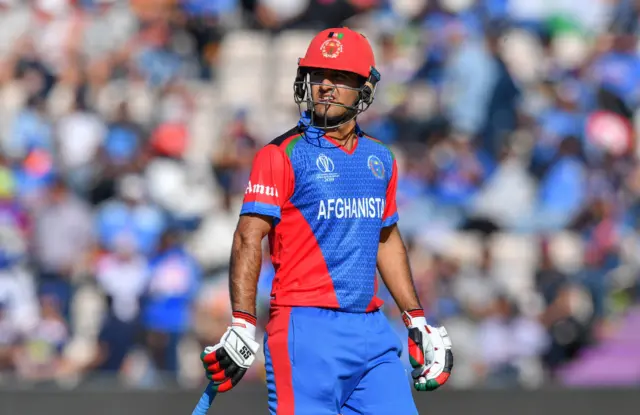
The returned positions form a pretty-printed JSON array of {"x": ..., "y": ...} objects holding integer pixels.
[{"x": 333, "y": 87}]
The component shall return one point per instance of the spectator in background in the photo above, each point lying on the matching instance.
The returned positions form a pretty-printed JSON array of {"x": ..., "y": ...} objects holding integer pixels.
[
  {"x": 617, "y": 75},
  {"x": 562, "y": 190},
  {"x": 154, "y": 59},
  {"x": 502, "y": 114},
  {"x": 398, "y": 70},
  {"x": 203, "y": 20},
  {"x": 40, "y": 355},
  {"x": 131, "y": 212},
  {"x": 468, "y": 93},
  {"x": 174, "y": 281},
  {"x": 508, "y": 341},
  {"x": 477, "y": 288},
  {"x": 171, "y": 136},
  {"x": 232, "y": 162},
  {"x": 457, "y": 172},
  {"x": 17, "y": 293},
  {"x": 123, "y": 276},
  {"x": 80, "y": 135},
  {"x": 118, "y": 154},
  {"x": 63, "y": 240},
  {"x": 36, "y": 76},
  {"x": 508, "y": 194},
  {"x": 549, "y": 280},
  {"x": 177, "y": 186},
  {"x": 14, "y": 217},
  {"x": 599, "y": 228},
  {"x": 31, "y": 130},
  {"x": 9, "y": 340},
  {"x": 34, "y": 175},
  {"x": 443, "y": 302},
  {"x": 124, "y": 138},
  {"x": 561, "y": 119},
  {"x": 557, "y": 290}
]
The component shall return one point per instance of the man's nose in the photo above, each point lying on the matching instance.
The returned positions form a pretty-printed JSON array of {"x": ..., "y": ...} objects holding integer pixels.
[{"x": 327, "y": 85}]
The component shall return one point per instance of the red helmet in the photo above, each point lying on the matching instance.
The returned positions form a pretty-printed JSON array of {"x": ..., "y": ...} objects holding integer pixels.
[{"x": 338, "y": 49}]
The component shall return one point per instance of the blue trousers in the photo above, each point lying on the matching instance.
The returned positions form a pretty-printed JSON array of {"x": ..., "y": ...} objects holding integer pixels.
[{"x": 325, "y": 362}]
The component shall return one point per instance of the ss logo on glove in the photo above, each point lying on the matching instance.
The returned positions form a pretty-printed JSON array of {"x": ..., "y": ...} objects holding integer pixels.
[{"x": 245, "y": 352}]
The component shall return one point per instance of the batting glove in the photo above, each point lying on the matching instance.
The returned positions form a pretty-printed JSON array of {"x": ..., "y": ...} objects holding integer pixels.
[
  {"x": 228, "y": 361},
  {"x": 429, "y": 352}
]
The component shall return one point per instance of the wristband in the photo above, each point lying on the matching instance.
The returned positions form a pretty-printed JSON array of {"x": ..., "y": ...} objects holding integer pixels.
[
  {"x": 411, "y": 314},
  {"x": 245, "y": 321},
  {"x": 248, "y": 317}
]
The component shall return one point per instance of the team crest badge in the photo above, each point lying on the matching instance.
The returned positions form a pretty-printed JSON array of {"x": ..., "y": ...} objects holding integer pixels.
[
  {"x": 376, "y": 166},
  {"x": 331, "y": 48}
]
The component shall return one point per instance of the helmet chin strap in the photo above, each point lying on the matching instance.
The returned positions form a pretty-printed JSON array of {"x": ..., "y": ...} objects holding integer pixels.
[{"x": 329, "y": 123}]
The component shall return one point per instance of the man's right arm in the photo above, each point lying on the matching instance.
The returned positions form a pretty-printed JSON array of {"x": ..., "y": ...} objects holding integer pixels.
[
  {"x": 270, "y": 185},
  {"x": 246, "y": 261}
]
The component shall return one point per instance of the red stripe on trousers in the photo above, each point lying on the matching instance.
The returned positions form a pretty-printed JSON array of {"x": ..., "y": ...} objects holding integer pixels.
[{"x": 278, "y": 342}]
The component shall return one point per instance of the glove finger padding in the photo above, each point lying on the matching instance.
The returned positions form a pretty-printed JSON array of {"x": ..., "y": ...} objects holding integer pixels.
[
  {"x": 215, "y": 358},
  {"x": 226, "y": 368},
  {"x": 227, "y": 384},
  {"x": 429, "y": 378},
  {"x": 416, "y": 353},
  {"x": 224, "y": 372}
]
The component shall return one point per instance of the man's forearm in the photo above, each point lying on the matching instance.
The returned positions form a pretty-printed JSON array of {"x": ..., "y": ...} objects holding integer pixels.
[
  {"x": 395, "y": 271},
  {"x": 246, "y": 261}
]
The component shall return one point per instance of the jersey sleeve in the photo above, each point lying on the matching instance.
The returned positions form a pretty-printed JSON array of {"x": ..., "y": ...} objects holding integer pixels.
[
  {"x": 390, "y": 214},
  {"x": 270, "y": 183}
]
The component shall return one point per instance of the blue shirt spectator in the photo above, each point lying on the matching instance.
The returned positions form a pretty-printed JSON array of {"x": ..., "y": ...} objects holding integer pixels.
[
  {"x": 130, "y": 213},
  {"x": 208, "y": 7},
  {"x": 123, "y": 141},
  {"x": 563, "y": 188},
  {"x": 555, "y": 124},
  {"x": 461, "y": 170},
  {"x": 618, "y": 72},
  {"x": 175, "y": 278},
  {"x": 469, "y": 91},
  {"x": 31, "y": 130}
]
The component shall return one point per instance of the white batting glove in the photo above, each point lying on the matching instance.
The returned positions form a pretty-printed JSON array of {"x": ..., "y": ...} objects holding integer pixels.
[
  {"x": 429, "y": 352},
  {"x": 228, "y": 361}
]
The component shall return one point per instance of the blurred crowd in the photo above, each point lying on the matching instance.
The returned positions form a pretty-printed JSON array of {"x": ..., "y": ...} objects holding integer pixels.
[{"x": 127, "y": 134}]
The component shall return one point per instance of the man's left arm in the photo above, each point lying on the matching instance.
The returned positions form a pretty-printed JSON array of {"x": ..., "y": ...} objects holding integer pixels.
[
  {"x": 393, "y": 265},
  {"x": 429, "y": 347},
  {"x": 392, "y": 260}
]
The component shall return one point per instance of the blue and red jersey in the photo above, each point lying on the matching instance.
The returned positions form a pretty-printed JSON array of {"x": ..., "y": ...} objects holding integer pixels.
[{"x": 328, "y": 205}]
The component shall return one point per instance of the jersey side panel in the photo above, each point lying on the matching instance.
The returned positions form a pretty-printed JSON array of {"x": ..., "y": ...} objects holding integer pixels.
[{"x": 302, "y": 277}]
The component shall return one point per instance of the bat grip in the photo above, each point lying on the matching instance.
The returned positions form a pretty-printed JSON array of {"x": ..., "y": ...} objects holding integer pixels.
[{"x": 205, "y": 400}]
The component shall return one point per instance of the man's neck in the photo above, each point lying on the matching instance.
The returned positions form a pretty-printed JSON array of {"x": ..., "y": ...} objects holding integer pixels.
[{"x": 344, "y": 134}]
